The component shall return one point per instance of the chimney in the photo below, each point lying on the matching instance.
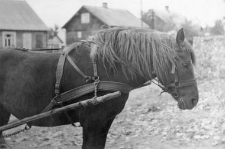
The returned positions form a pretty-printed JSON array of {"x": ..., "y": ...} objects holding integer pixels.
[
  {"x": 104, "y": 5},
  {"x": 167, "y": 8}
]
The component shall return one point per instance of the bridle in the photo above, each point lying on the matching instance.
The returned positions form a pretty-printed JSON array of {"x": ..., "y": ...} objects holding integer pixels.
[{"x": 172, "y": 88}]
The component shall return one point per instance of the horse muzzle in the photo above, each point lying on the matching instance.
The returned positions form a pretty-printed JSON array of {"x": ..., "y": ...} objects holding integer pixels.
[{"x": 185, "y": 92}]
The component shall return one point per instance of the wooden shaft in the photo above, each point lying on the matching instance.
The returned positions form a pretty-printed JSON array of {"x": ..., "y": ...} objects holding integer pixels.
[{"x": 85, "y": 103}]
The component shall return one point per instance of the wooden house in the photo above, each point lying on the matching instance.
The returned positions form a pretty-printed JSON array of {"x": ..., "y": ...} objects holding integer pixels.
[
  {"x": 163, "y": 20},
  {"x": 20, "y": 26},
  {"x": 88, "y": 19}
]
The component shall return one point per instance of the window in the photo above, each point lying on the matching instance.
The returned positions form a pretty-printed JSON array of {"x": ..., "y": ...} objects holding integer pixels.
[
  {"x": 85, "y": 18},
  {"x": 79, "y": 34},
  {"x": 9, "y": 39}
]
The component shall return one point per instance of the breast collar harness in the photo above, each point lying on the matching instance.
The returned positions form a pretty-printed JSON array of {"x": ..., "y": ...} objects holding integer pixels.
[{"x": 94, "y": 84}]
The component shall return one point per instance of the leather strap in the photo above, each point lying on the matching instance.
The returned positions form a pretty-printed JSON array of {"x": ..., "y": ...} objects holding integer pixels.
[
  {"x": 89, "y": 88},
  {"x": 184, "y": 83},
  {"x": 59, "y": 73},
  {"x": 75, "y": 67}
]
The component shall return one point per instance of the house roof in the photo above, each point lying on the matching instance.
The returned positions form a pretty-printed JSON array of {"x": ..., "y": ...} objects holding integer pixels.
[
  {"x": 113, "y": 17},
  {"x": 18, "y": 15},
  {"x": 168, "y": 15}
]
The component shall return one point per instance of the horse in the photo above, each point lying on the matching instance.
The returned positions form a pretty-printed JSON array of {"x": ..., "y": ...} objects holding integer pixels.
[{"x": 127, "y": 56}]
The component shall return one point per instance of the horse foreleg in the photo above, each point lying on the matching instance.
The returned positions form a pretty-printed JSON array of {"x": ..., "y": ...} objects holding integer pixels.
[
  {"x": 95, "y": 134},
  {"x": 4, "y": 119}
]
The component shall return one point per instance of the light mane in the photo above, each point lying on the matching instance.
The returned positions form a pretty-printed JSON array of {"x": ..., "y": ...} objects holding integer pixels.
[{"x": 136, "y": 50}]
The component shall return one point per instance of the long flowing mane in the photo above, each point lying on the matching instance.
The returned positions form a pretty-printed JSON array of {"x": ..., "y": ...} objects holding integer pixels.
[{"x": 137, "y": 50}]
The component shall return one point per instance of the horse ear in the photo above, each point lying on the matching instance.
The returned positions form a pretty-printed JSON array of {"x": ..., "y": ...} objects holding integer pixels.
[{"x": 180, "y": 36}]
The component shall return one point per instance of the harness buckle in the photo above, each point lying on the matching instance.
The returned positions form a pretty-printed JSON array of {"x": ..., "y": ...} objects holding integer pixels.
[{"x": 95, "y": 78}]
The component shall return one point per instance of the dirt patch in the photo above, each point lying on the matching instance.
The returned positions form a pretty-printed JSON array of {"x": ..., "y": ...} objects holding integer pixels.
[{"x": 148, "y": 121}]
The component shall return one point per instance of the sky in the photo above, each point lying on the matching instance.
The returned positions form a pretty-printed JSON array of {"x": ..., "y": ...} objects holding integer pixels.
[{"x": 60, "y": 11}]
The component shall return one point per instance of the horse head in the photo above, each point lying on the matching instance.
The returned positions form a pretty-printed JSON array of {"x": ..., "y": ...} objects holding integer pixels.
[
  {"x": 144, "y": 54},
  {"x": 180, "y": 82}
]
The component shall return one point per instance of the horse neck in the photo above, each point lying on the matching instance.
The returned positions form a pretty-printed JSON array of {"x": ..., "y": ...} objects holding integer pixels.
[
  {"x": 106, "y": 73},
  {"x": 84, "y": 62}
]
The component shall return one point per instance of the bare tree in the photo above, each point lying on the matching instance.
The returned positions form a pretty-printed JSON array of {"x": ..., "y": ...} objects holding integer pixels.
[{"x": 54, "y": 31}]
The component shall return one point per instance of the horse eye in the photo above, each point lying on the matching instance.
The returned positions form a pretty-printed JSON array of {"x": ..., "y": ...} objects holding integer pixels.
[
  {"x": 176, "y": 83},
  {"x": 175, "y": 94}
]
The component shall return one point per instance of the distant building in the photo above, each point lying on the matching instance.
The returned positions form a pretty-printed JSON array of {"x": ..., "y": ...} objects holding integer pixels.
[
  {"x": 157, "y": 19},
  {"x": 88, "y": 19},
  {"x": 20, "y": 26}
]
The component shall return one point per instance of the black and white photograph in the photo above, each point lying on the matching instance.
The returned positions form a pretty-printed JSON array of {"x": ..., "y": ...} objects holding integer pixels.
[{"x": 112, "y": 74}]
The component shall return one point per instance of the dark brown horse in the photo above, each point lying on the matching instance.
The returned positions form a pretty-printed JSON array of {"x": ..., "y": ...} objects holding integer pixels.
[{"x": 127, "y": 55}]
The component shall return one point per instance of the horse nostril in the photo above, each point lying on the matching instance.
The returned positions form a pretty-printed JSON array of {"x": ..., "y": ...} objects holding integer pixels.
[{"x": 194, "y": 101}]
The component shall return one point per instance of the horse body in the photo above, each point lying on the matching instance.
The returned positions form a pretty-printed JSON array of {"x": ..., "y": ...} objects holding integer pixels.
[
  {"x": 28, "y": 80},
  {"x": 22, "y": 81},
  {"x": 25, "y": 75},
  {"x": 28, "y": 88}
]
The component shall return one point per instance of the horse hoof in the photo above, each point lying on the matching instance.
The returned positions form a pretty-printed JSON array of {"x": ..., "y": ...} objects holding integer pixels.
[{"x": 3, "y": 146}]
